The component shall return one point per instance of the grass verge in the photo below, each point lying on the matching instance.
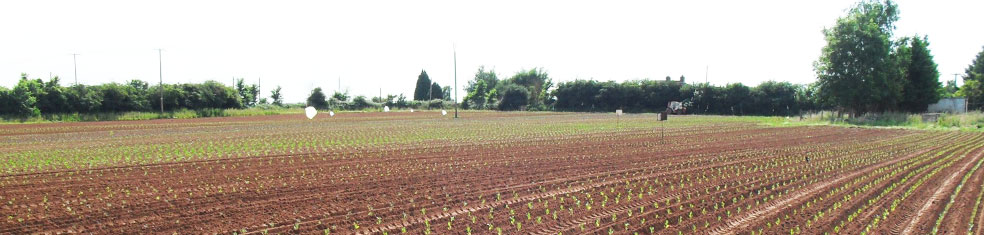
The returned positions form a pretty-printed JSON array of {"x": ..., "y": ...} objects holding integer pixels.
[{"x": 971, "y": 121}]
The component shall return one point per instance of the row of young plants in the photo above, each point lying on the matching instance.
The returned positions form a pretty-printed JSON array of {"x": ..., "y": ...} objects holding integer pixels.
[
  {"x": 972, "y": 223},
  {"x": 951, "y": 157},
  {"x": 786, "y": 219},
  {"x": 254, "y": 178},
  {"x": 875, "y": 184},
  {"x": 863, "y": 186},
  {"x": 89, "y": 147},
  {"x": 581, "y": 182},
  {"x": 630, "y": 216},
  {"x": 704, "y": 205},
  {"x": 727, "y": 201},
  {"x": 790, "y": 219},
  {"x": 955, "y": 194},
  {"x": 512, "y": 224},
  {"x": 691, "y": 205}
]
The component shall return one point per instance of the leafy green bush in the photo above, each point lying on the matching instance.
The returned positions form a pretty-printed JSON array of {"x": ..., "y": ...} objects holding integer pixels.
[
  {"x": 514, "y": 97},
  {"x": 974, "y": 120},
  {"x": 210, "y": 113},
  {"x": 887, "y": 119},
  {"x": 360, "y": 102}
]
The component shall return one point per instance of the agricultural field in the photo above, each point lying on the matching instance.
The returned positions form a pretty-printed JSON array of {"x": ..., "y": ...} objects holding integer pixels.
[{"x": 486, "y": 173}]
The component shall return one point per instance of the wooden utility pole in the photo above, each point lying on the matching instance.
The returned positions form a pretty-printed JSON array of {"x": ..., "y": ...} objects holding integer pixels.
[
  {"x": 955, "y": 78},
  {"x": 76, "y": 66}
]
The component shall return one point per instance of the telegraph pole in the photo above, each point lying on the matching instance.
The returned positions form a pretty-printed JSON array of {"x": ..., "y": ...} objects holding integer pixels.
[
  {"x": 160, "y": 64},
  {"x": 76, "y": 66},
  {"x": 454, "y": 50}
]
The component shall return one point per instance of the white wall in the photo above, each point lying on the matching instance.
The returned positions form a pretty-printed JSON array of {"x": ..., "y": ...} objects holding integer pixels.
[{"x": 949, "y": 105}]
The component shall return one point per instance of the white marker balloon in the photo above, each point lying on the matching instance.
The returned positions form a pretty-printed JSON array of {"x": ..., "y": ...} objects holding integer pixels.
[
  {"x": 444, "y": 112},
  {"x": 386, "y": 108},
  {"x": 331, "y": 113},
  {"x": 310, "y": 112}
]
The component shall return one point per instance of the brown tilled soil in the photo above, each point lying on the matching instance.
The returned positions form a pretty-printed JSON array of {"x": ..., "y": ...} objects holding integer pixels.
[{"x": 751, "y": 174}]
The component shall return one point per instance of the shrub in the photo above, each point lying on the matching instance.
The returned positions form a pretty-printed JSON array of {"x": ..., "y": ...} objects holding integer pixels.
[{"x": 514, "y": 97}]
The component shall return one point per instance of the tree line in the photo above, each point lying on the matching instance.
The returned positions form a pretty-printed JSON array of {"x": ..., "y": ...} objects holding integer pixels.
[
  {"x": 768, "y": 98},
  {"x": 33, "y": 97},
  {"x": 861, "y": 69},
  {"x": 342, "y": 100},
  {"x": 533, "y": 89}
]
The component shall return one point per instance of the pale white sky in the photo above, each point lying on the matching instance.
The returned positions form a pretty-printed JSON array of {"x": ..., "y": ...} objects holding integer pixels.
[{"x": 376, "y": 45}]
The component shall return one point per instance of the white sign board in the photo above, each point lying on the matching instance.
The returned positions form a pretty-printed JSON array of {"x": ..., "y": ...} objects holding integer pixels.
[
  {"x": 618, "y": 112},
  {"x": 310, "y": 112}
]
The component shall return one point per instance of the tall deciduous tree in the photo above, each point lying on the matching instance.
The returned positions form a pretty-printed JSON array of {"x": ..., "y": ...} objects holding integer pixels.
[
  {"x": 83, "y": 99},
  {"x": 919, "y": 72},
  {"x": 737, "y": 98},
  {"x": 478, "y": 89},
  {"x": 19, "y": 100},
  {"x": 446, "y": 92},
  {"x": 475, "y": 99},
  {"x": 536, "y": 81},
  {"x": 278, "y": 99},
  {"x": 340, "y": 96},
  {"x": 422, "y": 91},
  {"x": 52, "y": 99},
  {"x": 514, "y": 97},
  {"x": 855, "y": 69},
  {"x": 317, "y": 99},
  {"x": 248, "y": 94},
  {"x": 489, "y": 78},
  {"x": 949, "y": 90},
  {"x": 119, "y": 98},
  {"x": 973, "y": 87},
  {"x": 776, "y": 98}
]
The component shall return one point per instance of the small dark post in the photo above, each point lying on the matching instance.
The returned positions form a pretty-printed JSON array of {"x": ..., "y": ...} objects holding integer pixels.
[{"x": 662, "y": 125}]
